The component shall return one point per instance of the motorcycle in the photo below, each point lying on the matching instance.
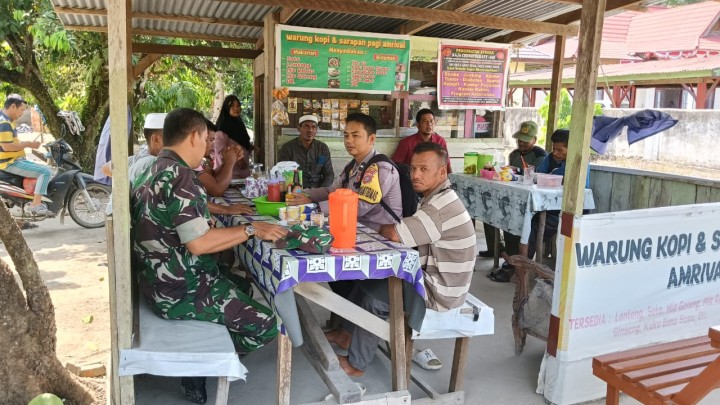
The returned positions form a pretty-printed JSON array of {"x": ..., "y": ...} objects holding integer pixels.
[{"x": 70, "y": 191}]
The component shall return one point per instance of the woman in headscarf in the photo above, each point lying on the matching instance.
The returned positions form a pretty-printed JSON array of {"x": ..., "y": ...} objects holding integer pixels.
[{"x": 231, "y": 132}]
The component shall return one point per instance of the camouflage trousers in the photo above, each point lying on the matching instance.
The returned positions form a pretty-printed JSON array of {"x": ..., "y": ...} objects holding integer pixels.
[{"x": 227, "y": 302}]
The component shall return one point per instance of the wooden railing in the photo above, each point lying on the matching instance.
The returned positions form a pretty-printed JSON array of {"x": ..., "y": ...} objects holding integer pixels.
[{"x": 621, "y": 189}]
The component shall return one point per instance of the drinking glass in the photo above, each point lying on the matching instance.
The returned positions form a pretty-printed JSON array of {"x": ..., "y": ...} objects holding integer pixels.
[
  {"x": 293, "y": 214},
  {"x": 528, "y": 175}
]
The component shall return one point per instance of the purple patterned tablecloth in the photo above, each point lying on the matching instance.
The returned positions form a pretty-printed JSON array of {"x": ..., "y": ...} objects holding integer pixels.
[{"x": 276, "y": 271}]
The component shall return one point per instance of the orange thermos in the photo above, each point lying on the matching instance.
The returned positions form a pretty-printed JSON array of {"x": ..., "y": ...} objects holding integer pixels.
[{"x": 343, "y": 218}]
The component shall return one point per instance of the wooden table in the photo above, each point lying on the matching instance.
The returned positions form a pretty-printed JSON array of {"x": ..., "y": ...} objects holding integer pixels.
[
  {"x": 288, "y": 279},
  {"x": 510, "y": 206}
]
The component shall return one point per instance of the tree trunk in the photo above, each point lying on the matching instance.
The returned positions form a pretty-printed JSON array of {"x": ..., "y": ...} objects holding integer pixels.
[
  {"x": 28, "y": 362},
  {"x": 219, "y": 97}
]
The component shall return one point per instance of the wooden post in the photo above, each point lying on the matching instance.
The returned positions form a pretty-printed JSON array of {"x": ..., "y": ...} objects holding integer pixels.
[
  {"x": 397, "y": 335},
  {"x": 269, "y": 39},
  {"x": 701, "y": 102},
  {"x": 284, "y": 371},
  {"x": 122, "y": 389},
  {"x": 633, "y": 93},
  {"x": 555, "y": 89},
  {"x": 616, "y": 100},
  {"x": 591, "y": 23}
]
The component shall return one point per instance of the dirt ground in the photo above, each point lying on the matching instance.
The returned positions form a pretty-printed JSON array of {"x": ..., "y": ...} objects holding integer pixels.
[{"x": 73, "y": 264}]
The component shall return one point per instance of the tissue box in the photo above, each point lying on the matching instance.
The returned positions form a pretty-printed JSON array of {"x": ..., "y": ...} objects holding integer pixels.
[{"x": 255, "y": 188}]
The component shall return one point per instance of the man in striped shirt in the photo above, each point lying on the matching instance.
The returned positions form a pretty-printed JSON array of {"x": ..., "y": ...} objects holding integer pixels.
[{"x": 444, "y": 234}]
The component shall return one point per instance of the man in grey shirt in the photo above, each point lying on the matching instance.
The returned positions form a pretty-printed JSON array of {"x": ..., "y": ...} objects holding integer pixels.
[{"x": 312, "y": 155}]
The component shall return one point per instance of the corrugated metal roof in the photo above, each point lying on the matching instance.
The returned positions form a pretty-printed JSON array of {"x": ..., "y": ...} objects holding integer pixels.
[
  {"x": 536, "y": 10},
  {"x": 182, "y": 8},
  {"x": 638, "y": 71},
  {"x": 351, "y": 22}
]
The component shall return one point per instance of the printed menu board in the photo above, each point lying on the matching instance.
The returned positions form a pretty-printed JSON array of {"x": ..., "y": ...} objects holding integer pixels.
[
  {"x": 472, "y": 74},
  {"x": 328, "y": 60}
]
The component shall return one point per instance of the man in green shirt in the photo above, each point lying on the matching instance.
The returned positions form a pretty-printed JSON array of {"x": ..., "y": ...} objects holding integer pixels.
[{"x": 176, "y": 248}]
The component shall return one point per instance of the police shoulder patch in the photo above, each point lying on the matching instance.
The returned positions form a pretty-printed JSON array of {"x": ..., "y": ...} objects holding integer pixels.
[{"x": 370, "y": 190}]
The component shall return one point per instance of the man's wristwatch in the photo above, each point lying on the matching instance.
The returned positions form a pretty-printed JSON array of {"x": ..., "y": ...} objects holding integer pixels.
[{"x": 250, "y": 231}]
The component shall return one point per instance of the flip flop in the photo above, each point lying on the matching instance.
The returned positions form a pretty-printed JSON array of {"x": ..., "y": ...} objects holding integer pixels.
[{"x": 427, "y": 359}]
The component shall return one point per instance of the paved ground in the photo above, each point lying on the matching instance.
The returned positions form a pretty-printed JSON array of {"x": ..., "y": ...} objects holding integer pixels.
[
  {"x": 494, "y": 375},
  {"x": 72, "y": 261}
]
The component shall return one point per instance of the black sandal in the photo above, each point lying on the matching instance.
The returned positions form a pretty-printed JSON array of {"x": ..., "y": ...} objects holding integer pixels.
[
  {"x": 194, "y": 388},
  {"x": 502, "y": 276}
]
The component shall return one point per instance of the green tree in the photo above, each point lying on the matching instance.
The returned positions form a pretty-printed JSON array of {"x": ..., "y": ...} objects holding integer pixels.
[
  {"x": 564, "y": 114},
  {"x": 189, "y": 81},
  {"x": 58, "y": 69}
]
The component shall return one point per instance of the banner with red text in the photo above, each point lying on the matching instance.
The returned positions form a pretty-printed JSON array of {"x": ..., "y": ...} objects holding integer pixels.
[
  {"x": 472, "y": 74},
  {"x": 347, "y": 61}
]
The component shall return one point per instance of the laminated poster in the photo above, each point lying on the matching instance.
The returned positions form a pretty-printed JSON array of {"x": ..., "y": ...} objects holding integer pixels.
[
  {"x": 333, "y": 60},
  {"x": 472, "y": 75}
]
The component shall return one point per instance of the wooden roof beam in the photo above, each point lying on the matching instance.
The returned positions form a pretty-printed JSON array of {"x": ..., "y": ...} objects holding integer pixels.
[
  {"x": 287, "y": 13},
  {"x": 163, "y": 49},
  {"x": 81, "y": 11},
  {"x": 164, "y": 17},
  {"x": 168, "y": 34},
  {"x": 568, "y": 18},
  {"x": 419, "y": 14},
  {"x": 460, "y": 6},
  {"x": 205, "y": 20}
]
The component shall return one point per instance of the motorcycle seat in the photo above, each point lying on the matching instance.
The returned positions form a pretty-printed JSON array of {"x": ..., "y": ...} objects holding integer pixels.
[{"x": 11, "y": 178}]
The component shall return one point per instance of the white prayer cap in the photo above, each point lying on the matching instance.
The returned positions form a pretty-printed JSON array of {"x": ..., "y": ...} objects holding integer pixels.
[
  {"x": 155, "y": 120},
  {"x": 308, "y": 117}
]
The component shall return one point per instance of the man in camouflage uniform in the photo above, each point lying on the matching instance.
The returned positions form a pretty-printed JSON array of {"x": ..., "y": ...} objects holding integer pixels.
[{"x": 176, "y": 247}]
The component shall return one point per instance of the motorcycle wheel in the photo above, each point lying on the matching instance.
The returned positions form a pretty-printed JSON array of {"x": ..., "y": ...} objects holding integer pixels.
[{"x": 82, "y": 212}]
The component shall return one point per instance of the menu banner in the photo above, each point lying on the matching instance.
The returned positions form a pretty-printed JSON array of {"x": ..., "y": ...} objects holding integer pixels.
[
  {"x": 472, "y": 74},
  {"x": 347, "y": 61}
]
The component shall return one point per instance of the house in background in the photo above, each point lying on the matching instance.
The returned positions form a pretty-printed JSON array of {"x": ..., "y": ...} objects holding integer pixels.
[{"x": 659, "y": 58}]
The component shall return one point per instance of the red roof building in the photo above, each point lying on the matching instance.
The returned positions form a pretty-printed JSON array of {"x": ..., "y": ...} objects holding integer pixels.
[{"x": 668, "y": 57}]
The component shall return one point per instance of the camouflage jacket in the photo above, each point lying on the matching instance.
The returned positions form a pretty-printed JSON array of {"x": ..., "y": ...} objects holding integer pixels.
[{"x": 168, "y": 210}]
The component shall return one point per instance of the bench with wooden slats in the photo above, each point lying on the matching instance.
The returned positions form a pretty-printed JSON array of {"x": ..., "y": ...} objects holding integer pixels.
[{"x": 681, "y": 372}]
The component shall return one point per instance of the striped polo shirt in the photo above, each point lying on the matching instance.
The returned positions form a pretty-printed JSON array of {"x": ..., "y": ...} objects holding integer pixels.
[
  {"x": 444, "y": 234},
  {"x": 8, "y": 135}
]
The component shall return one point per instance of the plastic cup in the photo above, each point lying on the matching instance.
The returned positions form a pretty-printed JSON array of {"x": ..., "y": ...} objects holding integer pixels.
[
  {"x": 528, "y": 175},
  {"x": 282, "y": 213},
  {"x": 317, "y": 219}
]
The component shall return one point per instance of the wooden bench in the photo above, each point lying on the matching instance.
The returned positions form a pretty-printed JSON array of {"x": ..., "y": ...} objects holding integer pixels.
[
  {"x": 681, "y": 372},
  {"x": 176, "y": 348}
]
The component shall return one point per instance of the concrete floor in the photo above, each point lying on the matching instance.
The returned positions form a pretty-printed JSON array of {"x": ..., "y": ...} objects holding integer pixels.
[{"x": 494, "y": 375}]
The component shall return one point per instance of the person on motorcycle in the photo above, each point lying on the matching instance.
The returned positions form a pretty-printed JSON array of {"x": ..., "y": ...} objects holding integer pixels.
[{"x": 12, "y": 153}]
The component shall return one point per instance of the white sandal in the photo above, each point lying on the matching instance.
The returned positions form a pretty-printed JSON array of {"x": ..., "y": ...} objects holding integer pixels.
[{"x": 427, "y": 359}]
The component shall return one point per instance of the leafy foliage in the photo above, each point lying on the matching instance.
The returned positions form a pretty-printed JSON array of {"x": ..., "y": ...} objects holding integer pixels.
[
  {"x": 189, "y": 81},
  {"x": 564, "y": 114}
]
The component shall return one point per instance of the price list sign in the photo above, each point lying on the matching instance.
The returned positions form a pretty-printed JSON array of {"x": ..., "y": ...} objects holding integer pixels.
[
  {"x": 472, "y": 75},
  {"x": 325, "y": 60}
]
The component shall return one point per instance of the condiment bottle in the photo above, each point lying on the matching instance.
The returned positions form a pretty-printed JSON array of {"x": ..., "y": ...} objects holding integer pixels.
[
  {"x": 274, "y": 191},
  {"x": 296, "y": 186}
]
